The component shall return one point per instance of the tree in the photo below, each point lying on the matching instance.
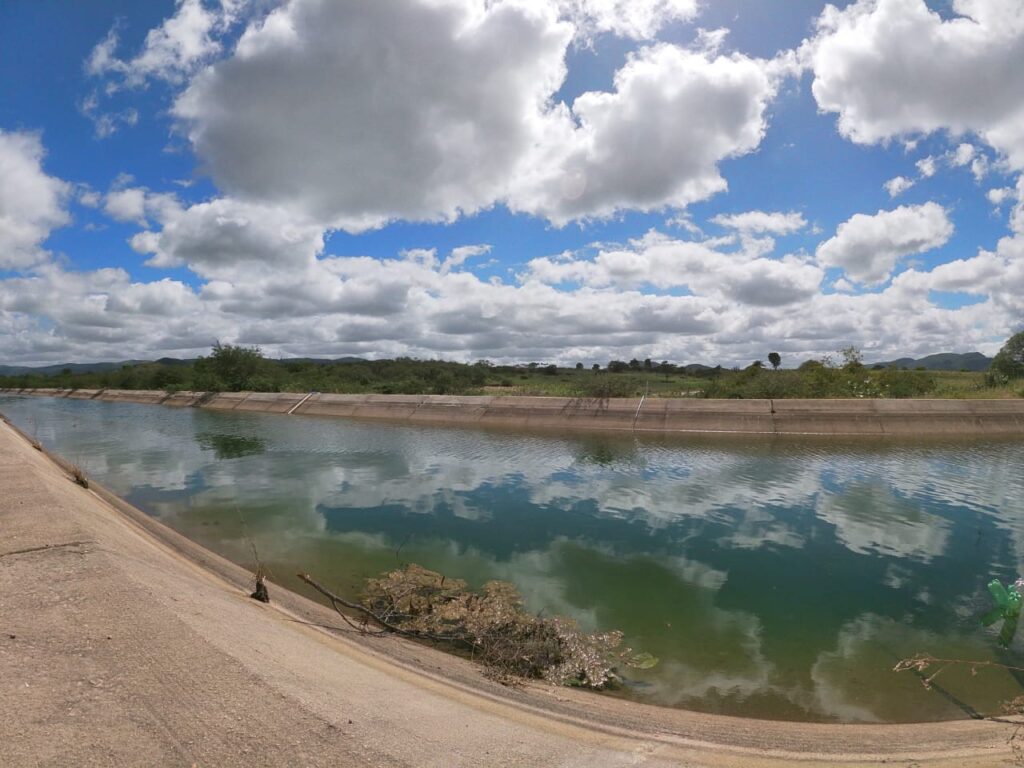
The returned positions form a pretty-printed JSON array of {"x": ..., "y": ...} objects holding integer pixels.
[
  {"x": 853, "y": 360},
  {"x": 232, "y": 368},
  {"x": 775, "y": 359},
  {"x": 596, "y": 367},
  {"x": 579, "y": 366},
  {"x": 1009, "y": 363}
]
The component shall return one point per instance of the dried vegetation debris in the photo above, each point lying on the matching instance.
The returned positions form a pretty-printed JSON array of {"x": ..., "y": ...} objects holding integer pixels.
[{"x": 494, "y": 626}]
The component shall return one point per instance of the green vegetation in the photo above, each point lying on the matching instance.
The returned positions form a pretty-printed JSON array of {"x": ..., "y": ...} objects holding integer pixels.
[
  {"x": 231, "y": 368},
  {"x": 1008, "y": 365}
]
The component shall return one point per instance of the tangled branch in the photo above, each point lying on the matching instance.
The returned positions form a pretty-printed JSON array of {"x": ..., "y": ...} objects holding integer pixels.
[{"x": 491, "y": 624}]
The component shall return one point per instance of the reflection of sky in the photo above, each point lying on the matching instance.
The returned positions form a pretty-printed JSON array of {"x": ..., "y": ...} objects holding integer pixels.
[{"x": 771, "y": 577}]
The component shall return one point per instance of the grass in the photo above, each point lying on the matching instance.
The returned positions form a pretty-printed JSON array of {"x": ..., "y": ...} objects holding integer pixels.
[
  {"x": 573, "y": 383},
  {"x": 766, "y": 383}
]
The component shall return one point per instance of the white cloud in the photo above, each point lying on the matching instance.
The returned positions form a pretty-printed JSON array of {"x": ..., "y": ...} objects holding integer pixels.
[
  {"x": 433, "y": 110},
  {"x": 291, "y": 298},
  {"x": 895, "y": 68},
  {"x": 665, "y": 263},
  {"x": 1000, "y": 195},
  {"x": 639, "y": 148},
  {"x": 637, "y": 19},
  {"x": 926, "y": 167},
  {"x": 979, "y": 167},
  {"x": 89, "y": 197},
  {"x": 461, "y": 254},
  {"x": 1017, "y": 215},
  {"x": 225, "y": 238},
  {"x": 867, "y": 247},
  {"x": 897, "y": 185},
  {"x": 408, "y": 110},
  {"x": 962, "y": 155},
  {"x": 966, "y": 154},
  {"x": 775, "y": 223},
  {"x": 32, "y": 203},
  {"x": 126, "y": 205},
  {"x": 68, "y": 315},
  {"x": 170, "y": 52}
]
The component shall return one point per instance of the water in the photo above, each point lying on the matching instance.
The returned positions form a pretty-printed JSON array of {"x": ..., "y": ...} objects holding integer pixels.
[{"x": 776, "y": 578}]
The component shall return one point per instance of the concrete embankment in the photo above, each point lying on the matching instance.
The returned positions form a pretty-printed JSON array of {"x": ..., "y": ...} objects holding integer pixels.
[
  {"x": 122, "y": 643},
  {"x": 657, "y": 415}
]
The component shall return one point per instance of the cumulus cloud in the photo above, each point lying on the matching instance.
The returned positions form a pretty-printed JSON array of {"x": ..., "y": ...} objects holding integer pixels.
[
  {"x": 463, "y": 253},
  {"x": 637, "y": 19},
  {"x": 126, "y": 205},
  {"x": 408, "y": 110},
  {"x": 666, "y": 263},
  {"x": 897, "y": 185},
  {"x": 867, "y": 247},
  {"x": 32, "y": 203},
  {"x": 726, "y": 306},
  {"x": 757, "y": 222},
  {"x": 999, "y": 195},
  {"x": 962, "y": 155},
  {"x": 55, "y": 314},
  {"x": 171, "y": 51},
  {"x": 927, "y": 167},
  {"x": 429, "y": 110},
  {"x": 643, "y": 146},
  {"x": 893, "y": 68},
  {"x": 432, "y": 110},
  {"x": 224, "y": 238}
]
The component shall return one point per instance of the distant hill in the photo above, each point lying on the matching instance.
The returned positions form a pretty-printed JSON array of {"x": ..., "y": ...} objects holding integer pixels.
[
  {"x": 49, "y": 370},
  {"x": 321, "y": 360},
  {"x": 696, "y": 368},
  {"x": 945, "y": 361}
]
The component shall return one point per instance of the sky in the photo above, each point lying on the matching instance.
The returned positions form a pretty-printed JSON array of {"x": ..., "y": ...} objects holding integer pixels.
[{"x": 513, "y": 180}]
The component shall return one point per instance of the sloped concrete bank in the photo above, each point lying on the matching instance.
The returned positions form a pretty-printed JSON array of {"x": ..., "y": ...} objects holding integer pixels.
[
  {"x": 124, "y": 643},
  {"x": 654, "y": 415}
]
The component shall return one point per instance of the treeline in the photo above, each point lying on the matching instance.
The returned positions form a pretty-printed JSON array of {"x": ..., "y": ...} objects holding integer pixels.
[
  {"x": 817, "y": 379},
  {"x": 230, "y": 368}
]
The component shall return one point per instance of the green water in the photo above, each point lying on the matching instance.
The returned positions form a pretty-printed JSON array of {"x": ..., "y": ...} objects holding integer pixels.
[{"x": 776, "y": 578}]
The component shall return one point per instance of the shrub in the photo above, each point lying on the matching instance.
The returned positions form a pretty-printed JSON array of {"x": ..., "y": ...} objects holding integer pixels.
[
  {"x": 1009, "y": 362},
  {"x": 606, "y": 386}
]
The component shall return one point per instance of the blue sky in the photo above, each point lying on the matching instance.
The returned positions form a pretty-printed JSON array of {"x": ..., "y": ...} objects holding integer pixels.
[{"x": 549, "y": 180}]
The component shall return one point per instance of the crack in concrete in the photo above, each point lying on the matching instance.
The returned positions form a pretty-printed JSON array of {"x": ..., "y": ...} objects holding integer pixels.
[{"x": 45, "y": 547}]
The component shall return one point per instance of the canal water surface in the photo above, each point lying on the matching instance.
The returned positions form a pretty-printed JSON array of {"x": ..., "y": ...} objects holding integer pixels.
[{"x": 777, "y": 578}]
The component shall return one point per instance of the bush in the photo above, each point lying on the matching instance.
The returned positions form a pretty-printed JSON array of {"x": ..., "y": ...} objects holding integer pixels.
[
  {"x": 604, "y": 387},
  {"x": 1008, "y": 364},
  {"x": 901, "y": 384}
]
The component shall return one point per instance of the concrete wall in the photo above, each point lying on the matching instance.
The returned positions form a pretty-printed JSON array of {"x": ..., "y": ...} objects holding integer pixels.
[{"x": 819, "y": 417}]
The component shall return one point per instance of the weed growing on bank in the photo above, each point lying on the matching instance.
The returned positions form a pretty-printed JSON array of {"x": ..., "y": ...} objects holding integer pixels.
[{"x": 79, "y": 476}]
